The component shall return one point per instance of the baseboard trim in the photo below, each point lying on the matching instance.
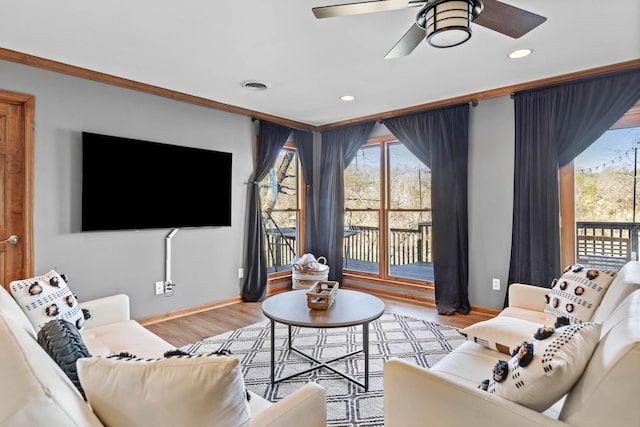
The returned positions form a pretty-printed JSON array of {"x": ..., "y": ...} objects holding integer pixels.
[
  {"x": 401, "y": 296},
  {"x": 427, "y": 301},
  {"x": 486, "y": 310},
  {"x": 276, "y": 289},
  {"x": 150, "y": 320}
]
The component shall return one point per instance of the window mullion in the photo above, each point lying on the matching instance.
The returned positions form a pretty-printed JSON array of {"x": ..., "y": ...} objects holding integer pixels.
[
  {"x": 568, "y": 214},
  {"x": 383, "y": 211}
]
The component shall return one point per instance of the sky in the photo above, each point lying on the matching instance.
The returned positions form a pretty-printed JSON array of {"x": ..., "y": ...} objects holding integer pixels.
[{"x": 614, "y": 147}]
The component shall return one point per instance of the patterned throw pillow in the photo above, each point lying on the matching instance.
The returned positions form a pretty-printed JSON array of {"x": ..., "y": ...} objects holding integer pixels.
[
  {"x": 175, "y": 391},
  {"x": 63, "y": 342},
  {"x": 557, "y": 363},
  {"x": 577, "y": 294},
  {"x": 47, "y": 297}
]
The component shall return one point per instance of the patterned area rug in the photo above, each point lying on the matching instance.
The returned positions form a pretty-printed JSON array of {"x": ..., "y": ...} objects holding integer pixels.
[{"x": 392, "y": 335}]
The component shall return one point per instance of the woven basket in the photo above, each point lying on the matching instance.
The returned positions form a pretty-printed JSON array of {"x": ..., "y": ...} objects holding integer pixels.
[
  {"x": 322, "y": 295},
  {"x": 302, "y": 278}
]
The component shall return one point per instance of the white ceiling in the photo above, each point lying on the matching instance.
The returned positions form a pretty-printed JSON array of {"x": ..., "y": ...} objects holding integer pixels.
[{"x": 207, "y": 48}]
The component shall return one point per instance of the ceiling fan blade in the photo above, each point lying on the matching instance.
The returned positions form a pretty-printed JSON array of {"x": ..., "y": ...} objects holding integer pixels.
[
  {"x": 363, "y": 7},
  {"x": 508, "y": 20},
  {"x": 407, "y": 43}
]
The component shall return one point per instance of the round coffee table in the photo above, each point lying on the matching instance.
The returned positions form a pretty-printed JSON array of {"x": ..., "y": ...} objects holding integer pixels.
[{"x": 351, "y": 308}]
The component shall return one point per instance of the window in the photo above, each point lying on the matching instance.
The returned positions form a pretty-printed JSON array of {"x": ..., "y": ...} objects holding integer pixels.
[
  {"x": 362, "y": 202},
  {"x": 409, "y": 214},
  {"x": 387, "y": 188},
  {"x": 599, "y": 189},
  {"x": 279, "y": 193}
]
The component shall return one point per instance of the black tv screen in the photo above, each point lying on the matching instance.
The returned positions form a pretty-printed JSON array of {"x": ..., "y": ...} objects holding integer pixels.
[{"x": 130, "y": 184}]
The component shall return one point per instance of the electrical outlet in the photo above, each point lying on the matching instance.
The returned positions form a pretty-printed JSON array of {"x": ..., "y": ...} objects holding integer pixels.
[
  {"x": 496, "y": 284},
  {"x": 159, "y": 287},
  {"x": 241, "y": 273}
]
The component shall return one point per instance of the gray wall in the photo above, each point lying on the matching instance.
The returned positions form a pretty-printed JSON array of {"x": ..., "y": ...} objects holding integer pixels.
[
  {"x": 491, "y": 150},
  {"x": 206, "y": 261}
]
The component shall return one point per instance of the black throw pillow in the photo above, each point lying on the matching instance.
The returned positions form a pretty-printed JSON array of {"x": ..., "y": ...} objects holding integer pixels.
[{"x": 62, "y": 341}]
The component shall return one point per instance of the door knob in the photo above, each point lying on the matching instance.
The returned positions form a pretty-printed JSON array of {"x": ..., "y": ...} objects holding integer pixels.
[{"x": 13, "y": 239}]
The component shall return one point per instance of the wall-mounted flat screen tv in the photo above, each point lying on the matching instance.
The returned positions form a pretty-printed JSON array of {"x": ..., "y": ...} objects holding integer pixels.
[{"x": 130, "y": 184}]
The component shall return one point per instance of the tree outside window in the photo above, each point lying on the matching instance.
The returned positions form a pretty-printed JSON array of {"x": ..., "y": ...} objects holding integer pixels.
[{"x": 279, "y": 193}]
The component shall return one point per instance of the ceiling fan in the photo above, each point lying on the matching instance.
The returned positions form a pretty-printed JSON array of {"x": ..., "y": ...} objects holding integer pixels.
[{"x": 443, "y": 23}]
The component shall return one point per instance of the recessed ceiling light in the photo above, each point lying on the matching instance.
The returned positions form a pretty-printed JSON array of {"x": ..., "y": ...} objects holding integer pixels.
[
  {"x": 347, "y": 97},
  {"x": 520, "y": 53}
]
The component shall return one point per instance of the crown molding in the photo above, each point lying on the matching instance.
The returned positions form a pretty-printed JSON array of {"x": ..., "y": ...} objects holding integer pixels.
[{"x": 84, "y": 73}]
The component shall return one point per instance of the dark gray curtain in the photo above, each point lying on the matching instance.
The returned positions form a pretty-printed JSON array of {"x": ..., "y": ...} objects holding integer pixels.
[
  {"x": 271, "y": 139},
  {"x": 304, "y": 145},
  {"x": 440, "y": 139},
  {"x": 553, "y": 126},
  {"x": 339, "y": 147}
]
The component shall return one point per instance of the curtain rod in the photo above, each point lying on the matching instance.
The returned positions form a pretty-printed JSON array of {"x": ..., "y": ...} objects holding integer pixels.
[
  {"x": 473, "y": 103},
  {"x": 255, "y": 119}
]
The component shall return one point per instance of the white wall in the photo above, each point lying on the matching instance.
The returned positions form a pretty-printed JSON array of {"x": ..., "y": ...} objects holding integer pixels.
[{"x": 205, "y": 261}]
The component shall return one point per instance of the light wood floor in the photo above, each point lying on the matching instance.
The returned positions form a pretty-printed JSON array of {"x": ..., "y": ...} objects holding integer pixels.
[{"x": 196, "y": 327}]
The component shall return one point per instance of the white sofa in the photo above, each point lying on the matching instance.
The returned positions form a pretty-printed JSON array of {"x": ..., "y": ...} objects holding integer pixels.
[
  {"x": 606, "y": 394},
  {"x": 34, "y": 391}
]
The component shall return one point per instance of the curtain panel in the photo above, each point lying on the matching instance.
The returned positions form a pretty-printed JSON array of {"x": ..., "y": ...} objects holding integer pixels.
[
  {"x": 339, "y": 147},
  {"x": 440, "y": 139},
  {"x": 554, "y": 125},
  {"x": 271, "y": 139}
]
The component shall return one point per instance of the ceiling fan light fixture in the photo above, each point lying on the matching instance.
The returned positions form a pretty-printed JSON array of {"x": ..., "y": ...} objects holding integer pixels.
[{"x": 447, "y": 23}]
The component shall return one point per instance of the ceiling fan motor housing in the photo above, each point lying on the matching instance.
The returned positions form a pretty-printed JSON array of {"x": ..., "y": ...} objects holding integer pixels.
[{"x": 447, "y": 23}]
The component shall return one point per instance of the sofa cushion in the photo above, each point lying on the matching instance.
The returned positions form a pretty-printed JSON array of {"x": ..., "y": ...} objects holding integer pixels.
[
  {"x": 539, "y": 317},
  {"x": 10, "y": 308},
  {"x": 578, "y": 292},
  {"x": 62, "y": 341},
  {"x": 626, "y": 281},
  {"x": 34, "y": 391},
  {"x": 557, "y": 363},
  {"x": 47, "y": 297},
  {"x": 607, "y": 392},
  {"x": 468, "y": 363},
  {"x": 501, "y": 333},
  {"x": 128, "y": 336},
  {"x": 197, "y": 390}
]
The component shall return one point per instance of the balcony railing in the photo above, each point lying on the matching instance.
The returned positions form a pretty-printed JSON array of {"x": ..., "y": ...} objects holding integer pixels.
[
  {"x": 598, "y": 244},
  {"x": 281, "y": 248},
  {"x": 606, "y": 244},
  {"x": 408, "y": 246}
]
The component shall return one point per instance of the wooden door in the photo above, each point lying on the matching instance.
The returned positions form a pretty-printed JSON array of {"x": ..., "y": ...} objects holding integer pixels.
[{"x": 16, "y": 186}]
